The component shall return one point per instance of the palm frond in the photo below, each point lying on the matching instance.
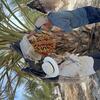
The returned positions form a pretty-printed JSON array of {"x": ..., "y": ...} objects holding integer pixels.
[{"x": 15, "y": 20}]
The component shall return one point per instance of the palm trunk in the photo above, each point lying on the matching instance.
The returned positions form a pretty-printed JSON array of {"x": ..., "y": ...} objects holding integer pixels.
[
  {"x": 89, "y": 87},
  {"x": 86, "y": 90}
]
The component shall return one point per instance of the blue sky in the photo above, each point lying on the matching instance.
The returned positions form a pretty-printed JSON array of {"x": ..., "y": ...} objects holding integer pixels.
[
  {"x": 20, "y": 90},
  {"x": 19, "y": 93}
]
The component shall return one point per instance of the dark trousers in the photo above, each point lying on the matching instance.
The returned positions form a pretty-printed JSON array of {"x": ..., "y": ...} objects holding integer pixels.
[
  {"x": 96, "y": 57},
  {"x": 93, "y": 14}
]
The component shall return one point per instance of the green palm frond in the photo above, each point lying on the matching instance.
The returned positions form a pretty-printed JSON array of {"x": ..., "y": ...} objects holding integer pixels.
[
  {"x": 15, "y": 20},
  {"x": 38, "y": 89},
  {"x": 13, "y": 14}
]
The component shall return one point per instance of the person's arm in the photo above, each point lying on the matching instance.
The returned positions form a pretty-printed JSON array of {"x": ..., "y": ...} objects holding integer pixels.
[
  {"x": 60, "y": 21},
  {"x": 65, "y": 27},
  {"x": 33, "y": 71},
  {"x": 93, "y": 14},
  {"x": 36, "y": 70},
  {"x": 95, "y": 55}
]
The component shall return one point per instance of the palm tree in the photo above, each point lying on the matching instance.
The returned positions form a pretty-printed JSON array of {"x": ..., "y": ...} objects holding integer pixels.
[{"x": 16, "y": 20}]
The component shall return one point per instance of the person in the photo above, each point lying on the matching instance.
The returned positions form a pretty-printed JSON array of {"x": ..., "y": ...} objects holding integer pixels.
[
  {"x": 72, "y": 67},
  {"x": 51, "y": 68},
  {"x": 33, "y": 59},
  {"x": 66, "y": 21}
]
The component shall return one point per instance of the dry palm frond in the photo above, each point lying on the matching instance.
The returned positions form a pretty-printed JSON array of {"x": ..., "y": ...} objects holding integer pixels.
[
  {"x": 74, "y": 42},
  {"x": 97, "y": 36},
  {"x": 80, "y": 41}
]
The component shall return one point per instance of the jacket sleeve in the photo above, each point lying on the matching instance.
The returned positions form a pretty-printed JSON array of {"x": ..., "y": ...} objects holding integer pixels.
[{"x": 60, "y": 20}]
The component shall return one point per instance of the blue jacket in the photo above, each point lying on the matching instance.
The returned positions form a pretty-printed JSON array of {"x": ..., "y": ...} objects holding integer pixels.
[{"x": 67, "y": 20}]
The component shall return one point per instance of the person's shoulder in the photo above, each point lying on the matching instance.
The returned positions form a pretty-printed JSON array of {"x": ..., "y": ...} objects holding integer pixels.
[{"x": 86, "y": 59}]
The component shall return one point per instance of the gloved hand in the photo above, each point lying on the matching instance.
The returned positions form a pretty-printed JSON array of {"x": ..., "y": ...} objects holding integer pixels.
[{"x": 27, "y": 50}]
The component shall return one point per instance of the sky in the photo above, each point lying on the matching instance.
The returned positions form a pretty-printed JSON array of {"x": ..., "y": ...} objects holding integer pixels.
[
  {"x": 19, "y": 93},
  {"x": 20, "y": 90}
]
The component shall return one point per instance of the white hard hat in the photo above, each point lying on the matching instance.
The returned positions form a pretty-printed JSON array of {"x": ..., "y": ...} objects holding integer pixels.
[
  {"x": 50, "y": 67},
  {"x": 40, "y": 21}
]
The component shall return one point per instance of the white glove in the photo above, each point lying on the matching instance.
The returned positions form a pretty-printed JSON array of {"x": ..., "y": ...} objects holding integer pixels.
[
  {"x": 28, "y": 50},
  {"x": 86, "y": 66},
  {"x": 81, "y": 66},
  {"x": 70, "y": 66}
]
